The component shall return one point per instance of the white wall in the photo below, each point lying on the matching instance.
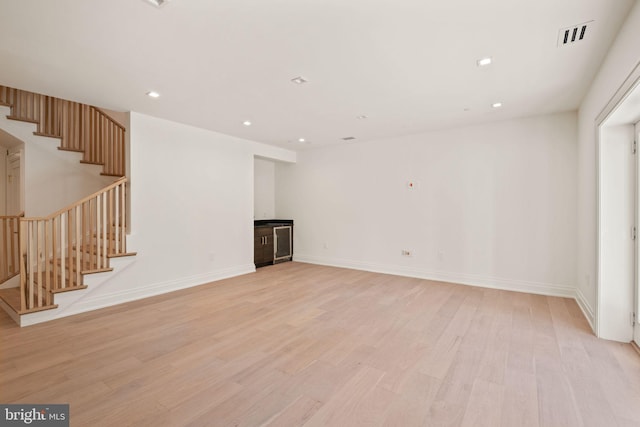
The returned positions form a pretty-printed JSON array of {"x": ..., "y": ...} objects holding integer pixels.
[
  {"x": 264, "y": 189},
  {"x": 623, "y": 56},
  {"x": 40, "y": 161},
  {"x": 55, "y": 178},
  {"x": 191, "y": 209},
  {"x": 495, "y": 204}
]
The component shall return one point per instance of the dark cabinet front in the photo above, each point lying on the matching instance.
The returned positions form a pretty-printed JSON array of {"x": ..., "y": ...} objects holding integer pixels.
[
  {"x": 263, "y": 246},
  {"x": 272, "y": 241}
]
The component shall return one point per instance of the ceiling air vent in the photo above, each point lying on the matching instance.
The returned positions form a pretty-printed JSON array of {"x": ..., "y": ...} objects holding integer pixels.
[
  {"x": 573, "y": 34},
  {"x": 158, "y": 3},
  {"x": 348, "y": 138}
]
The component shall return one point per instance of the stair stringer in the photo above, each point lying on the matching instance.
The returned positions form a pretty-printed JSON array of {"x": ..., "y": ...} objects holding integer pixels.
[
  {"x": 44, "y": 194},
  {"x": 79, "y": 301}
]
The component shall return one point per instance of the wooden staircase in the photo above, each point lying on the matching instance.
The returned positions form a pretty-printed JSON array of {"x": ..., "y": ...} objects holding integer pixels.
[
  {"x": 53, "y": 254},
  {"x": 57, "y": 251},
  {"x": 80, "y": 127}
]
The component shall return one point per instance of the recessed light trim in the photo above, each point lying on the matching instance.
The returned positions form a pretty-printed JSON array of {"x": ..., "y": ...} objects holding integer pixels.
[
  {"x": 157, "y": 3},
  {"x": 362, "y": 117},
  {"x": 302, "y": 140},
  {"x": 483, "y": 62},
  {"x": 153, "y": 94},
  {"x": 299, "y": 80},
  {"x": 247, "y": 123},
  {"x": 496, "y": 104}
]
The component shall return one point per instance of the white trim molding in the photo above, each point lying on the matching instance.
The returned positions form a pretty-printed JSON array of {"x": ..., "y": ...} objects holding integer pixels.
[
  {"x": 586, "y": 308},
  {"x": 548, "y": 289},
  {"x": 87, "y": 303}
]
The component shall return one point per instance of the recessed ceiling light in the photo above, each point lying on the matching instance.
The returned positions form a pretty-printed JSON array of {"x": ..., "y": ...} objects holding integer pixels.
[
  {"x": 246, "y": 123},
  {"x": 299, "y": 80},
  {"x": 158, "y": 3},
  {"x": 362, "y": 117},
  {"x": 153, "y": 94},
  {"x": 496, "y": 104},
  {"x": 482, "y": 62},
  {"x": 301, "y": 140}
]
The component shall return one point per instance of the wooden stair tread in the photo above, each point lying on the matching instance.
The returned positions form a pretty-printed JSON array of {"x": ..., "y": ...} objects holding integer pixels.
[
  {"x": 97, "y": 270},
  {"x": 122, "y": 255},
  {"x": 71, "y": 149},
  {"x": 69, "y": 278},
  {"x": 48, "y": 135},
  {"x": 68, "y": 289},
  {"x": 71, "y": 264},
  {"x": 93, "y": 246},
  {"x": 85, "y": 270},
  {"x": 72, "y": 261},
  {"x": 109, "y": 235},
  {"x": 11, "y": 297},
  {"x": 19, "y": 119}
]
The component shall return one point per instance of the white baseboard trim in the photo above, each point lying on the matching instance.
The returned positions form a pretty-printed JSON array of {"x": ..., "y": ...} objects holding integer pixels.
[
  {"x": 586, "y": 309},
  {"x": 163, "y": 287},
  {"x": 457, "y": 278},
  {"x": 88, "y": 303}
]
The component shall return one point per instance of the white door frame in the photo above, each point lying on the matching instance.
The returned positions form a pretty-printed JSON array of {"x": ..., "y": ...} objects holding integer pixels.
[
  {"x": 13, "y": 192},
  {"x": 632, "y": 81},
  {"x": 636, "y": 281}
]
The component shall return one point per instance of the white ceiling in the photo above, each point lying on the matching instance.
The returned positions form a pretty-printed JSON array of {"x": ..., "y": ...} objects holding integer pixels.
[{"x": 409, "y": 65}]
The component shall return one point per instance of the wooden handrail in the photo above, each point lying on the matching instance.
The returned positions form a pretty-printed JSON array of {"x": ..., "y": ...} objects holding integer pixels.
[
  {"x": 21, "y": 214},
  {"x": 80, "y": 127},
  {"x": 58, "y": 249},
  {"x": 108, "y": 117}
]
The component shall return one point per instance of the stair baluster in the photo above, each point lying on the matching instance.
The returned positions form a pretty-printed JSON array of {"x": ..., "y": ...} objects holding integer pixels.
[
  {"x": 80, "y": 127},
  {"x": 79, "y": 239}
]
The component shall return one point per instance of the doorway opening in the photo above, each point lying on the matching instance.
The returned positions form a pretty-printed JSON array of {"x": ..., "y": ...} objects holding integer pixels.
[
  {"x": 617, "y": 294},
  {"x": 12, "y": 172}
]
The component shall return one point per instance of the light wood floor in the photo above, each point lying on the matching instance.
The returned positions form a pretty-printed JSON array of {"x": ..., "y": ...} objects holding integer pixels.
[{"x": 297, "y": 344}]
